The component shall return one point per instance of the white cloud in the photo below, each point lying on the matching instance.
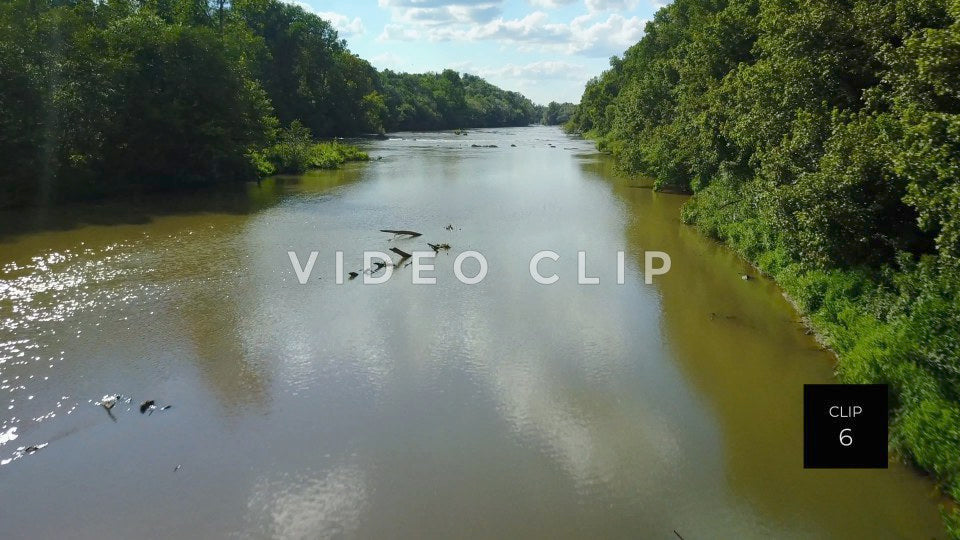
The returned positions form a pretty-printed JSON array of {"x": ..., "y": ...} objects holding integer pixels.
[
  {"x": 396, "y": 32},
  {"x": 433, "y": 3},
  {"x": 544, "y": 69},
  {"x": 613, "y": 35},
  {"x": 593, "y": 34},
  {"x": 437, "y": 12},
  {"x": 450, "y": 14},
  {"x": 612, "y": 5},
  {"x": 592, "y": 5},
  {"x": 551, "y": 4},
  {"x": 584, "y": 35},
  {"x": 542, "y": 81},
  {"x": 533, "y": 28},
  {"x": 392, "y": 61},
  {"x": 344, "y": 25}
]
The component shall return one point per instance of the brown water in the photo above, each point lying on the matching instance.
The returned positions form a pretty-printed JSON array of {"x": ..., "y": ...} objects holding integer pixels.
[{"x": 504, "y": 409}]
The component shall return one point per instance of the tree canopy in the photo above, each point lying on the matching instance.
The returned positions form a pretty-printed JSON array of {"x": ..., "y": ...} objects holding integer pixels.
[
  {"x": 557, "y": 113},
  {"x": 105, "y": 96}
]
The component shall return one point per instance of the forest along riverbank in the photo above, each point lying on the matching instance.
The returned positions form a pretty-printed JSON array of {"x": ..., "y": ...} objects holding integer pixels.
[
  {"x": 175, "y": 95},
  {"x": 827, "y": 154},
  {"x": 506, "y": 408}
]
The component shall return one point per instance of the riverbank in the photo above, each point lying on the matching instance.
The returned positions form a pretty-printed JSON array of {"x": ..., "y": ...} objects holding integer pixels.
[
  {"x": 166, "y": 100},
  {"x": 884, "y": 326},
  {"x": 887, "y": 326},
  {"x": 296, "y": 152},
  {"x": 822, "y": 146}
]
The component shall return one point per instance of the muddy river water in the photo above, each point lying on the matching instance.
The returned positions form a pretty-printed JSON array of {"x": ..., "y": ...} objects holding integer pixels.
[{"x": 504, "y": 409}]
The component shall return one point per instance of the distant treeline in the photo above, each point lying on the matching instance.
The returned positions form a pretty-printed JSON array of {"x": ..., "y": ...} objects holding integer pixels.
[
  {"x": 557, "y": 113},
  {"x": 822, "y": 141},
  {"x": 104, "y": 96},
  {"x": 448, "y": 100}
]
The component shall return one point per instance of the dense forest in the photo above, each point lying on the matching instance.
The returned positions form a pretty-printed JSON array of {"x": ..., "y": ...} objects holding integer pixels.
[
  {"x": 556, "y": 114},
  {"x": 448, "y": 100},
  {"x": 821, "y": 139},
  {"x": 104, "y": 96}
]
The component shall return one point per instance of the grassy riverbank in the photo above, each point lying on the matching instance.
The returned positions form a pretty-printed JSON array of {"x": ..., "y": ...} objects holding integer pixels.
[
  {"x": 821, "y": 140},
  {"x": 897, "y": 325},
  {"x": 297, "y": 152}
]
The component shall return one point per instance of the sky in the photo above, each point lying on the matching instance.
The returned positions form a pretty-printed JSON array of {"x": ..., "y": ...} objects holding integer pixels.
[{"x": 545, "y": 49}]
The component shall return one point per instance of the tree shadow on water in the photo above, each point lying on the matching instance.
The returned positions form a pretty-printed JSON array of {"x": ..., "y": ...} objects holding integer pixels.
[{"x": 143, "y": 208}]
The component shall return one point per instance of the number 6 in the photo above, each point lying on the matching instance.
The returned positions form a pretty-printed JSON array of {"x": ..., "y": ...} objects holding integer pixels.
[{"x": 845, "y": 438}]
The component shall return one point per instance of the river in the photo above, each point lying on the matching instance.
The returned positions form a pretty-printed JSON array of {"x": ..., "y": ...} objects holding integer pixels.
[{"x": 501, "y": 409}]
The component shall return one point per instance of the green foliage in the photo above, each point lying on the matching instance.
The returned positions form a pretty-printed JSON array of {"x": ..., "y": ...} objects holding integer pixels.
[
  {"x": 295, "y": 152},
  {"x": 822, "y": 141},
  {"x": 306, "y": 68},
  {"x": 448, "y": 100},
  {"x": 951, "y": 518},
  {"x": 557, "y": 113},
  {"x": 106, "y": 97},
  {"x": 929, "y": 160},
  {"x": 100, "y": 97}
]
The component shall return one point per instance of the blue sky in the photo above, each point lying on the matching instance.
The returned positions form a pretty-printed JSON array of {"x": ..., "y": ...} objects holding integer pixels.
[{"x": 546, "y": 49}]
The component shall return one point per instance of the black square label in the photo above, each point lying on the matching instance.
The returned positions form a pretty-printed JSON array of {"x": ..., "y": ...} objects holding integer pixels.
[{"x": 845, "y": 426}]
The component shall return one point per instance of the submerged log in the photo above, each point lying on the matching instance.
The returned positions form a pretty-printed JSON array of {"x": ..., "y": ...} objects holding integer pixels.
[
  {"x": 147, "y": 405},
  {"x": 411, "y": 234},
  {"x": 403, "y": 254}
]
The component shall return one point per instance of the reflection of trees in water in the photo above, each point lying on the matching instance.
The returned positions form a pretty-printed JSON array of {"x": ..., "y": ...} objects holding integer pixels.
[
  {"x": 217, "y": 310},
  {"x": 142, "y": 209},
  {"x": 214, "y": 324}
]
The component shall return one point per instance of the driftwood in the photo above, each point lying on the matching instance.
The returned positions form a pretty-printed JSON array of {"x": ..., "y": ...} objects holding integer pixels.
[
  {"x": 147, "y": 405},
  {"x": 411, "y": 234},
  {"x": 403, "y": 254}
]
